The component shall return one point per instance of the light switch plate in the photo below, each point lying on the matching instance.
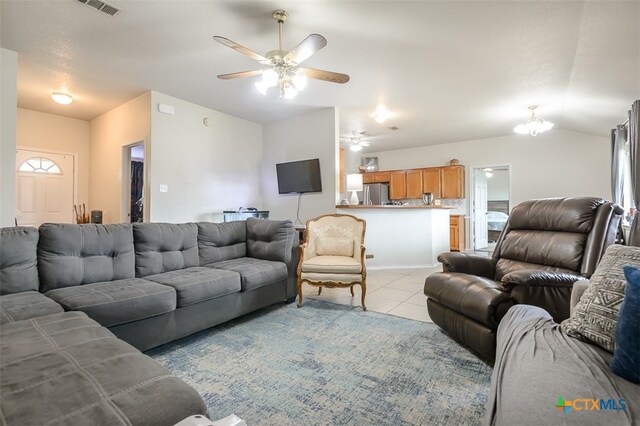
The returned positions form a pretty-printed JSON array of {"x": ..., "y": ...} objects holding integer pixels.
[{"x": 164, "y": 188}]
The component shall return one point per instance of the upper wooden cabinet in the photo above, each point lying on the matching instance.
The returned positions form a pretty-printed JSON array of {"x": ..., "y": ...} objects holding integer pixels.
[
  {"x": 442, "y": 182},
  {"x": 414, "y": 183},
  {"x": 397, "y": 187},
  {"x": 452, "y": 181},
  {"x": 376, "y": 177},
  {"x": 431, "y": 181}
]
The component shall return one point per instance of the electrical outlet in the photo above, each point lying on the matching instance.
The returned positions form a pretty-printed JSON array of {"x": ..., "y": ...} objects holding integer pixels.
[
  {"x": 368, "y": 256},
  {"x": 164, "y": 188}
]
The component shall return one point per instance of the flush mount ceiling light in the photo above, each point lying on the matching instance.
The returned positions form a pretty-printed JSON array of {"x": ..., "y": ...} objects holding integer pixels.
[
  {"x": 61, "y": 98},
  {"x": 283, "y": 70},
  {"x": 533, "y": 125},
  {"x": 381, "y": 114}
]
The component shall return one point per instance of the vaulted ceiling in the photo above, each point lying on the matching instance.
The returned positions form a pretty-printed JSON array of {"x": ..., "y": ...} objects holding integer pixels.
[{"x": 448, "y": 70}]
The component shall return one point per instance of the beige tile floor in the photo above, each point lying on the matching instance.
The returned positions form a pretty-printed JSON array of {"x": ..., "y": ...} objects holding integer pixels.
[{"x": 396, "y": 292}]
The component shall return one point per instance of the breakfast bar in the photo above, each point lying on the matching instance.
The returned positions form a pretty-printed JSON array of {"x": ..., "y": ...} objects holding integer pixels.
[{"x": 406, "y": 236}]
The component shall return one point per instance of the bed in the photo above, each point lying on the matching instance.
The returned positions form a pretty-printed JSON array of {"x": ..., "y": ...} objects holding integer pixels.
[{"x": 497, "y": 215}]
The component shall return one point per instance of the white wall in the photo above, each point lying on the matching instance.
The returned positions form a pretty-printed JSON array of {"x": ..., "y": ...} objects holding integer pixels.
[
  {"x": 313, "y": 135},
  {"x": 498, "y": 186},
  {"x": 109, "y": 133},
  {"x": 207, "y": 169},
  {"x": 55, "y": 133},
  {"x": 8, "y": 105},
  {"x": 554, "y": 164}
]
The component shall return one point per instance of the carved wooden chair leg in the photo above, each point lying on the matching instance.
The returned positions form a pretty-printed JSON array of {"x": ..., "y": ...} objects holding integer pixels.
[
  {"x": 363, "y": 285},
  {"x": 319, "y": 290},
  {"x": 299, "y": 292},
  {"x": 351, "y": 288}
]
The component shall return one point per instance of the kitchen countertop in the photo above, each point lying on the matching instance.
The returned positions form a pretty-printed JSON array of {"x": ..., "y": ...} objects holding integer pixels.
[{"x": 391, "y": 207}]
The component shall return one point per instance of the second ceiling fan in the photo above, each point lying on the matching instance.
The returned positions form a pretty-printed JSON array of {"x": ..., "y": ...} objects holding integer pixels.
[{"x": 283, "y": 67}]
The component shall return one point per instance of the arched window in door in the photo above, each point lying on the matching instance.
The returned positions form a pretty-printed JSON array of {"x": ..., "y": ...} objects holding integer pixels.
[{"x": 40, "y": 165}]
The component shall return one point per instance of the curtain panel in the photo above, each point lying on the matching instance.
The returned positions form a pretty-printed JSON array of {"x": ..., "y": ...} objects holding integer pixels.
[{"x": 634, "y": 147}]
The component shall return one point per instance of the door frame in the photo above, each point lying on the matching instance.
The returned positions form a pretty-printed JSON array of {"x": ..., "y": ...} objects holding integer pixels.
[
  {"x": 125, "y": 173},
  {"x": 53, "y": 151},
  {"x": 472, "y": 185}
]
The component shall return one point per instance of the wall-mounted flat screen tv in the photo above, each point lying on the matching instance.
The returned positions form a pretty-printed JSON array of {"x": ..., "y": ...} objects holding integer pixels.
[{"x": 299, "y": 176}]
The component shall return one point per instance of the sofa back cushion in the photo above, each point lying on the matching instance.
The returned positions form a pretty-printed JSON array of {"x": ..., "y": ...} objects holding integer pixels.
[
  {"x": 164, "y": 247},
  {"x": 548, "y": 234},
  {"x": 221, "y": 241},
  {"x": 18, "y": 259},
  {"x": 70, "y": 255},
  {"x": 270, "y": 239}
]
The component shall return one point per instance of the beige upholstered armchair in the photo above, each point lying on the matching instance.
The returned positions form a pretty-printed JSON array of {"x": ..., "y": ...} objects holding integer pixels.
[{"x": 332, "y": 254}]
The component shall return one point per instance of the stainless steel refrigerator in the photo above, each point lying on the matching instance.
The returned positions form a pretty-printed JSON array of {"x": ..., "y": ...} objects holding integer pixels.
[{"x": 376, "y": 194}]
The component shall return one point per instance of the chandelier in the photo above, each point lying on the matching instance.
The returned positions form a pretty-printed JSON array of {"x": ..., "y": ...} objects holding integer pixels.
[{"x": 533, "y": 125}]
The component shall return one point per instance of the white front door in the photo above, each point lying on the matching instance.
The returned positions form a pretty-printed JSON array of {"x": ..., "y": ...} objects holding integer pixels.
[
  {"x": 480, "y": 233},
  {"x": 44, "y": 188}
]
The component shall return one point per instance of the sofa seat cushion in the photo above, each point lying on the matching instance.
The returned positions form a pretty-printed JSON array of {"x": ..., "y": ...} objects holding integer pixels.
[
  {"x": 332, "y": 264},
  {"x": 197, "y": 284},
  {"x": 67, "y": 369},
  {"x": 26, "y": 305},
  {"x": 254, "y": 273},
  {"x": 117, "y": 302},
  {"x": 537, "y": 364},
  {"x": 478, "y": 298}
]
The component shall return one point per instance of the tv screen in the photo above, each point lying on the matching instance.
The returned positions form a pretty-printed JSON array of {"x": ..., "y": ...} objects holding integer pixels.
[{"x": 299, "y": 176}]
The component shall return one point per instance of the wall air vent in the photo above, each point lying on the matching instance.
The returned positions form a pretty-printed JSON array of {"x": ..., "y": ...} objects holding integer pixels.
[{"x": 101, "y": 6}]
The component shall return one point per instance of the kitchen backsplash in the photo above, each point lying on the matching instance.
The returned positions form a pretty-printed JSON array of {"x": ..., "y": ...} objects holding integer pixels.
[{"x": 459, "y": 204}]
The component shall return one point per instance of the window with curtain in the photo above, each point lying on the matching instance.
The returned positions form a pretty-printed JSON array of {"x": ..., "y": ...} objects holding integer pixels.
[{"x": 627, "y": 200}]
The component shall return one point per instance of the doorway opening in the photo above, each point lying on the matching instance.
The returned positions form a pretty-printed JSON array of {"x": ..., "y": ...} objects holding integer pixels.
[
  {"x": 490, "y": 205},
  {"x": 133, "y": 190},
  {"x": 45, "y": 187}
]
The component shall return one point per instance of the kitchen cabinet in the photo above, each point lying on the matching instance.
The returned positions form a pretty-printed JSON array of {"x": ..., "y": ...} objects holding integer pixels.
[
  {"x": 456, "y": 233},
  {"x": 397, "y": 186},
  {"x": 452, "y": 181},
  {"x": 413, "y": 179},
  {"x": 431, "y": 181},
  {"x": 376, "y": 177}
]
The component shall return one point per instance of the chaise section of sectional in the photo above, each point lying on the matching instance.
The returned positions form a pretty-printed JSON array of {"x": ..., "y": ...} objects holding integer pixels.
[
  {"x": 19, "y": 296},
  {"x": 91, "y": 268},
  {"x": 67, "y": 369}
]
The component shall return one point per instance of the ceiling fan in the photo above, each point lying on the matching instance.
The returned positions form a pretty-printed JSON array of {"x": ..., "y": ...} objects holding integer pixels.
[
  {"x": 356, "y": 143},
  {"x": 283, "y": 67}
]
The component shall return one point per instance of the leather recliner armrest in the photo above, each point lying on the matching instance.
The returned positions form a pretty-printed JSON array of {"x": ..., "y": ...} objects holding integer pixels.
[
  {"x": 468, "y": 264},
  {"x": 532, "y": 277}
]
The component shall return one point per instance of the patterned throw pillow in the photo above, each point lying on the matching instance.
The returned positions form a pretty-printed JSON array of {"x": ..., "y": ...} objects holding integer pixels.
[{"x": 595, "y": 316}]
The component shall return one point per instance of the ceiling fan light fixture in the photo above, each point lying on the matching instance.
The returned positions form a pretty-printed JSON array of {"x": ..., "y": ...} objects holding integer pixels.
[
  {"x": 533, "y": 125},
  {"x": 289, "y": 92},
  {"x": 261, "y": 87},
  {"x": 269, "y": 78},
  {"x": 299, "y": 80},
  {"x": 355, "y": 147}
]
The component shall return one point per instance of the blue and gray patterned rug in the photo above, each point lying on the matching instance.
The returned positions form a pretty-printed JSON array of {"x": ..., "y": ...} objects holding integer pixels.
[{"x": 328, "y": 364}]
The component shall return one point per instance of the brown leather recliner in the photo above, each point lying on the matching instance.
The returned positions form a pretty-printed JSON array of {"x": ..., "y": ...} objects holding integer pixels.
[{"x": 545, "y": 247}]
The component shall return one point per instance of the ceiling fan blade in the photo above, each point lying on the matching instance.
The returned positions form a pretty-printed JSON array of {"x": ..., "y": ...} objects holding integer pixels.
[
  {"x": 239, "y": 74},
  {"x": 333, "y": 77},
  {"x": 306, "y": 48},
  {"x": 240, "y": 48},
  {"x": 365, "y": 143}
]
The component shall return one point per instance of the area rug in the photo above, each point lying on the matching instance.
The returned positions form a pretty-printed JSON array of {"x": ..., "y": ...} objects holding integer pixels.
[{"x": 328, "y": 364}]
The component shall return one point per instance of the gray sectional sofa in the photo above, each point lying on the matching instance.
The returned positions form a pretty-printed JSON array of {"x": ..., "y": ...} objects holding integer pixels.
[{"x": 79, "y": 302}]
